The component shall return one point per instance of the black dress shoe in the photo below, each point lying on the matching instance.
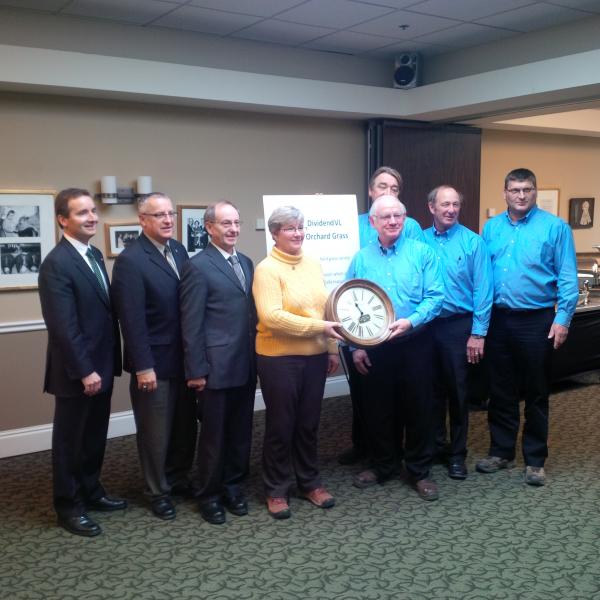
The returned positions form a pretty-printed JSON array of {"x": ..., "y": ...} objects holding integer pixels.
[
  {"x": 163, "y": 508},
  {"x": 107, "y": 504},
  {"x": 80, "y": 525},
  {"x": 212, "y": 512},
  {"x": 238, "y": 505},
  {"x": 457, "y": 470}
]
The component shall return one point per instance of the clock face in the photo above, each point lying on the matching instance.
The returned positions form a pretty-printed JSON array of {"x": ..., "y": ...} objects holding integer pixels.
[{"x": 362, "y": 313}]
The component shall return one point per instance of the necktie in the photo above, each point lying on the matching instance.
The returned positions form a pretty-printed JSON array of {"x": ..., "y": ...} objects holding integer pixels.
[
  {"x": 235, "y": 261},
  {"x": 171, "y": 260},
  {"x": 96, "y": 269}
]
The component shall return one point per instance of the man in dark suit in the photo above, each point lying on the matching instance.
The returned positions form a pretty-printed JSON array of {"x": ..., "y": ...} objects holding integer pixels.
[
  {"x": 218, "y": 320},
  {"x": 146, "y": 293},
  {"x": 84, "y": 354}
]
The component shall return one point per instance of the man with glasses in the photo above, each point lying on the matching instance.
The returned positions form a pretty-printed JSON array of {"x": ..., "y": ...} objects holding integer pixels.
[
  {"x": 535, "y": 295},
  {"x": 146, "y": 292},
  {"x": 396, "y": 375},
  {"x": 218, "y": 320},
  {"x": 384, "y": 181}
]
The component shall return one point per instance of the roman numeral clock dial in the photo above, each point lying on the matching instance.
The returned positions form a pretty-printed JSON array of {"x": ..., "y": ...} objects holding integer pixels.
[{"x": 364, "y": 310}]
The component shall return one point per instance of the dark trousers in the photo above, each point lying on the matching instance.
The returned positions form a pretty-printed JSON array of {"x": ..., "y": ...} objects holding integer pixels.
[
  {"x": 451, "y": 382},
  {"x": 399, "y": 384},
  {"x": 520, "y": 354},
  {"x": 166, "y": 426},
  {"x": 292, "y": 387},
  {"x": 78, "y": 443},
  {"x": 223, "y": 457}
]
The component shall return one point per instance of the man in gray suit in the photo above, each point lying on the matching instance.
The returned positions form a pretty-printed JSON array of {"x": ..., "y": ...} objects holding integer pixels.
[
  {"x": 146, "y": 293},
  {"x": 218, "y": 321}
]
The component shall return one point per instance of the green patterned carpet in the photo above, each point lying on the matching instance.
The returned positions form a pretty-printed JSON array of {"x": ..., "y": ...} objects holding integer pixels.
[{"x": 490, "y": 537}]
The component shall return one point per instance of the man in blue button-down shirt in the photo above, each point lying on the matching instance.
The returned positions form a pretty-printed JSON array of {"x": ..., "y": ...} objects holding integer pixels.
[
  {"x": 384, "y": 181},
  {"x": 396, "y": 375},
  {"x": 535, "y": 295},
  {"x": 459, "y": 332}
]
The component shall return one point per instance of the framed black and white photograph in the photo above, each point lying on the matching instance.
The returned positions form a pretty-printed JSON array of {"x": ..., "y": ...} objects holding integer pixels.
[
  {"x": 192, "y": 233},
  {"x": 117, "y": 236},
  {"x": 581, "y": 213},
  {"x": 27, "y": 234}
]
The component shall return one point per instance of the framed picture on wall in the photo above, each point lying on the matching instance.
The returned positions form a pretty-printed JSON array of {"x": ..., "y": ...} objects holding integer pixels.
[
  {"x": 581, "y": 213},
  {"x": 27, "y": 234},
  {"x": 190, "y": 224},
  {"x": 547, "y": 199},
  {"x": 118, "y": 236}
]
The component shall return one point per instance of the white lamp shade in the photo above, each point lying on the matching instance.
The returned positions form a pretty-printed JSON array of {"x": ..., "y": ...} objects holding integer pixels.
[{"x": 144, "y": 184}]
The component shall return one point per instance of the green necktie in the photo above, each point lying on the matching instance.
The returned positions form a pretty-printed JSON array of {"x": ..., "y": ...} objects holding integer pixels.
[{"x": 96, "y": 269}]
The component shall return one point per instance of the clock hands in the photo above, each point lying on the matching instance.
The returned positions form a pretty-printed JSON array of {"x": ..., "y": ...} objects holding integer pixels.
[{"x": 363, "y": 318}]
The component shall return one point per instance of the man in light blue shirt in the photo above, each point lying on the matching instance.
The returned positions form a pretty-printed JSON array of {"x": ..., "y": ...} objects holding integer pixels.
[
  {"x": 535, "y": 295},
  {"x": 384, "y": 181},
  {"x": 459, "y": 332},
  {"x": 396, "y": 375}
]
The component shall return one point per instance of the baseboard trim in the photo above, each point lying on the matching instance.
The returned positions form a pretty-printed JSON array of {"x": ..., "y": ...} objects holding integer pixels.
[{"x": 38, "y": 438}]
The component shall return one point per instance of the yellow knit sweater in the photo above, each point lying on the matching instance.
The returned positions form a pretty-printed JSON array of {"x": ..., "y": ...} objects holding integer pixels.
[{"x": 290, "y": 300}]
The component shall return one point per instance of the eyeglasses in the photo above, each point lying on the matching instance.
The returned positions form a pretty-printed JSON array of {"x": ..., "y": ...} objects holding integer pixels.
[
  {"x": 517, "y": 191},
  {"x": 228, "y": 223},
  {"x": 293, "y": 229},
  {"x": 161, "y": 215},
  {"x": 388, "y": 218}
]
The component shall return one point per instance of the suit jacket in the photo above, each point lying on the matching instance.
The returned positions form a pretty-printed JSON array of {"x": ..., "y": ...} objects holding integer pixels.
[
  {"x": 218, "y": 320},
  {"x": 146, "y": 293},
  {"x": 83, "y": 333}
]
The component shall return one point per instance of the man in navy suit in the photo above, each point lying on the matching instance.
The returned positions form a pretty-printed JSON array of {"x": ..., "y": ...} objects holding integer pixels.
[
  {"x": 84, "y": 354},
  {"x": 218, "y": 320},
  {"x": 146, "y": 293}
]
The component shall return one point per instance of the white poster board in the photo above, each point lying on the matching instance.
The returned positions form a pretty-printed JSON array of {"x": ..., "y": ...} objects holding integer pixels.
[{"x": 330, "y": 230}]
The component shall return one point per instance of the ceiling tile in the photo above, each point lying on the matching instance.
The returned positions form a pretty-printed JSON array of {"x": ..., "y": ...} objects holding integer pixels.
[
  {"x": 588, "y": 5},
  {"x": 535, "y": 16},
  {"x": 350, "y": 42},
  {"x": 260, "y": 8},
  {"x": 205, "y": 20},
  {"x": 390, "y": 52},
  {"x": 389, "y": 3},
  {"x": 465, "y": 35},
  {"x": 337, "y": 14},
  {"x": 282, "y": 32},
  {"x": 417, "y": 25},
  {"x": 46, "y": 5},
  {"x": 129, "y": 11},
  {"x": 467, "y": 10}
]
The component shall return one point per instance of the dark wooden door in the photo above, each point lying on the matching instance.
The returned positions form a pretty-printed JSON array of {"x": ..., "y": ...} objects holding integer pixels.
[{"x": 428, "y": 155}]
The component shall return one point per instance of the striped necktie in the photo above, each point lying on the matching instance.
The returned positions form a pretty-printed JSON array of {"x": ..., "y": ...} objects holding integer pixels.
[{"x": 235, "y": 261}]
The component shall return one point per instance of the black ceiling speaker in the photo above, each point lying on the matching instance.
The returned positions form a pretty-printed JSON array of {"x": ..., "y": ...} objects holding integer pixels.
[{"x": 407, "y": 71}]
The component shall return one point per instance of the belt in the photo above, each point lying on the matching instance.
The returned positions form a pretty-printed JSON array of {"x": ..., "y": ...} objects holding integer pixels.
[
  {"x": 520, "y": 311},
  {"x": 455, "y": 316}
]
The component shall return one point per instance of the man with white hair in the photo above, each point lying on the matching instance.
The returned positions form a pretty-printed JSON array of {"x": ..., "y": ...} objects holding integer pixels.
[{"x": 396, "y": 374}]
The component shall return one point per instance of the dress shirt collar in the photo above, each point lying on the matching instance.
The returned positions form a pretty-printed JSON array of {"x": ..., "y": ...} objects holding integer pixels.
[
  {"x": 448, "y": 233},
  {"x": 524, "y": 219},
  {"x": 160, "y": 247},
  {"x": 224, "y": 254},
  {"x": 79, "y": 246}
]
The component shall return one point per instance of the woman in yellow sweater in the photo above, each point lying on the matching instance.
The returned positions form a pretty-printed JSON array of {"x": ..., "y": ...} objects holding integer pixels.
[{"x": 296, "y": 351}]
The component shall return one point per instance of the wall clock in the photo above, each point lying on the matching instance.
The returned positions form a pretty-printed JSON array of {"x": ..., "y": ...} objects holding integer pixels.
[{"x": 364, "y": 310}]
